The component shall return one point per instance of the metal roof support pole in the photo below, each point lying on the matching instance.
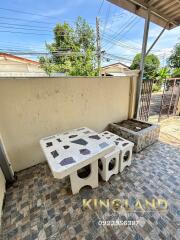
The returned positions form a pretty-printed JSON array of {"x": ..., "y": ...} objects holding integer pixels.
[
  {"x": 155, "y": 40},
  {"x": 143, "y": 54}
]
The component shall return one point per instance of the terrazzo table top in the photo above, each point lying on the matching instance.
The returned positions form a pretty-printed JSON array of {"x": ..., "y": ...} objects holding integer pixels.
[
  {"x": 70, "y": 151},
  {"x": 118, "y": 141}
]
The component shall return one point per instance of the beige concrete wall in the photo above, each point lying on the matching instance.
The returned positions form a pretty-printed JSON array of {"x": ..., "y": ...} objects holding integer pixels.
[
  {"x": 132, "y": 96},
  {"x": 2, "y": 191},
  {"x": 32, "y": 108}
]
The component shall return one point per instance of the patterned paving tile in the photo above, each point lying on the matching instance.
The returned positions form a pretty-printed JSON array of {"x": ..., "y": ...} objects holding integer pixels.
[{"x": 39, "y": 207}]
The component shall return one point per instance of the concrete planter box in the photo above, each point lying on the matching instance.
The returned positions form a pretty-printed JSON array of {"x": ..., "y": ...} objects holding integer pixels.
[{"x": 142, "y": 134}]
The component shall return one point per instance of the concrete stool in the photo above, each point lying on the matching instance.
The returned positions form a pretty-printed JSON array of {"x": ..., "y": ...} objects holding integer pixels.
[
  {"x": 91, "y": 180},
  {"x": 124, "y": 146},
  {"x": 125, "y": 157},
  {"x": 109, "y": 165}
]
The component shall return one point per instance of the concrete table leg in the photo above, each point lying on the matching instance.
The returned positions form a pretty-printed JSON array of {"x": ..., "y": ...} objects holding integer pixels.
[
  {"x": 92, "y": 180},
  {"x": 104, "y": 165},
  {"x": 125, "y": 157}
]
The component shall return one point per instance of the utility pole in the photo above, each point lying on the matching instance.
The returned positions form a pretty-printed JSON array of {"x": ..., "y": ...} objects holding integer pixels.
[{"x": 98, "y": 45}]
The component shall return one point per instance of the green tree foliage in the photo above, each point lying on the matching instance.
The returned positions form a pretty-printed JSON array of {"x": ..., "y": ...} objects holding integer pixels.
[
  {"x": 176, "y": 73},
  {"x": 151, "y": 65},
  {"x": 174, "y": 59},
  {"x": 161, "y": 75},
  {"x": 72, "y": 51}
]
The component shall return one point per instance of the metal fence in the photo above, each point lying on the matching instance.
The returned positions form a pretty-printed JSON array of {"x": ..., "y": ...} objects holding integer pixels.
[
  {"x": 170, "y": 98},
  {"x": 164, "y": 104},
  {"x": 145, "y": 100}
]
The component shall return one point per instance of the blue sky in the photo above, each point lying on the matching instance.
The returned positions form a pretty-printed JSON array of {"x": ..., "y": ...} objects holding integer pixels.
[{"x": 27, "y": 25}]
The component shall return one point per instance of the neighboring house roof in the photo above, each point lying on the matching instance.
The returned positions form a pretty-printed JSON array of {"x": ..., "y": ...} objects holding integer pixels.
[
  {"x": 115, "y": 69},
  {"x": 17, "y": 58},
  {"x": 118, "y": 64},
  {"x": 11, "y": 65}
]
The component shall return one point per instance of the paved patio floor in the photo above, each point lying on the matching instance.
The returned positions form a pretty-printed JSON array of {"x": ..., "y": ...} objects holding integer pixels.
[
  {"x": 169, "y": 129},
  {"x": 40, "y": 207}
]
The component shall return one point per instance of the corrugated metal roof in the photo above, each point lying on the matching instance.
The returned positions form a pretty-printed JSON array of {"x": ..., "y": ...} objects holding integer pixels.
[{"x": 165, "y": 13}]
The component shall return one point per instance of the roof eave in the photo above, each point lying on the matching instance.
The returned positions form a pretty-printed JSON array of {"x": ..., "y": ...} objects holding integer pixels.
[{"x": 139, "y": 7}]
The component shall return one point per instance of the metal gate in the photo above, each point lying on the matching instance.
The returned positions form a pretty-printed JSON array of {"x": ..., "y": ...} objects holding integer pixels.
[
  {"x": 170, "y": 98},
  {"x": 145, "y": 100}
]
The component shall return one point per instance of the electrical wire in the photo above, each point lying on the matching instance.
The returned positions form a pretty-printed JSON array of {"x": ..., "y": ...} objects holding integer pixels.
[
  {"x": 23, "y": 25},
  {"x": 25, "y": 20},
  {"x": 124, "y": 28},
  {"x": 55, "y": 53},
  {"x": 20, "y": 46},
  {"x": 26, "y": 12},
  {"x": 130, "y": 27},
  {"x": 42, "y": 22},
  {"x": 100, "y": 7},
  {"x": 122, "y": 44},
  {"x": 23, "y": 28},
  {"x": 26, "y": 33},
  {"x": 117, "y": 57},
  {"x": 106, "y": 19},
  {"x": 34, "y": 33},
  {"x": 34, "y": 14}
]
